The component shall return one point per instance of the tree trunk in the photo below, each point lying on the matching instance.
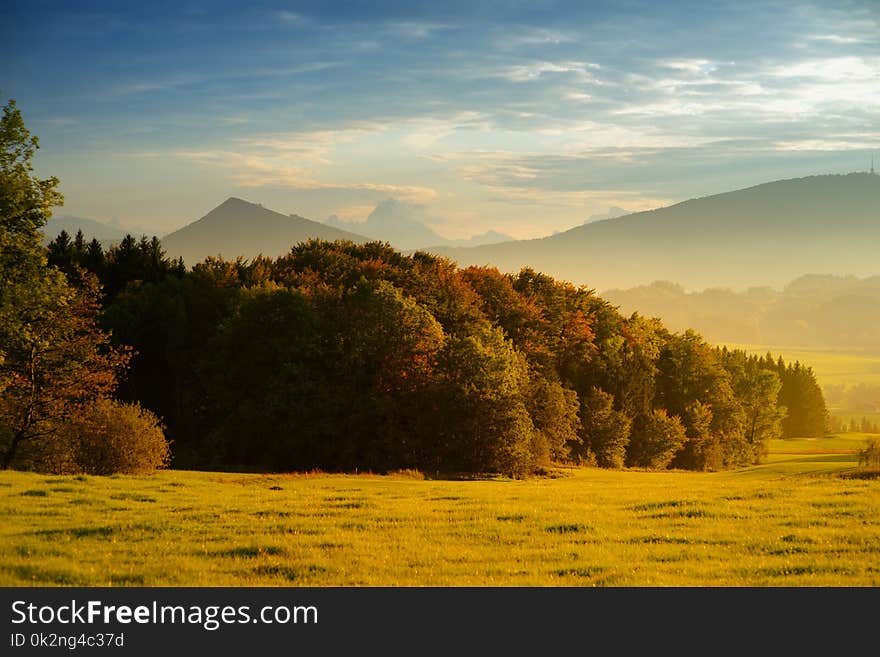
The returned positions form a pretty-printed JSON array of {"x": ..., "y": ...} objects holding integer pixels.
[{"x": 13, "y": 447}]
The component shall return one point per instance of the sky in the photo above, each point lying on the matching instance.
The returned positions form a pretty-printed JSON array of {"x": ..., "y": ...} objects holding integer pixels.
[{"x": 524, "y": 117}]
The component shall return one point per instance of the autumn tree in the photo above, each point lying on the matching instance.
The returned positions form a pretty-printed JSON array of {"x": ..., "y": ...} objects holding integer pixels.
[{"x": 53, "y": 358}]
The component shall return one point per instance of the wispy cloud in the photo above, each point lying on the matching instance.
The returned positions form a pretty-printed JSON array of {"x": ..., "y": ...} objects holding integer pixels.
[
  {"x": 297, "y": 161},
  {"x": 580, "y": 71}
]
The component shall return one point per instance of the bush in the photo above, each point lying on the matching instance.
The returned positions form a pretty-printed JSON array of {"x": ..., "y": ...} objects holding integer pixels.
[{"x": 110, "y": 437}]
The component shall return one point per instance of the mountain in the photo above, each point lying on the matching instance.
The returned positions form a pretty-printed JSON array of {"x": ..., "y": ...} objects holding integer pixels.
[
  {"x": 401, "y": 224},
  {"x": 764, "y": 235},
  {"x": 489, "y": 237},
  {"x": 814, "y": 311},
  {"x": 90, "y": 228},
  {"x": 405, "y": 227},
  {"x": 613, "y": 213},
  {"x": 238, "y": 228}
]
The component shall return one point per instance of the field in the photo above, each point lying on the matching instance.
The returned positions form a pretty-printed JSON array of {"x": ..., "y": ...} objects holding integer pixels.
[{"x": 789, "y": 522}]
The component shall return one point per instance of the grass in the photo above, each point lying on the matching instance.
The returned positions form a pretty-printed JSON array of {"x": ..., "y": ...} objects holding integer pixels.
[{"x": 788, "y": 522}]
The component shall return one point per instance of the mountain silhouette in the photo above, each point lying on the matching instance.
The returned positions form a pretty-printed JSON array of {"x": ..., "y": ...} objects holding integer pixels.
[
  {"x": 239, "y": 228},
  {"x": 769, "y": 234}
]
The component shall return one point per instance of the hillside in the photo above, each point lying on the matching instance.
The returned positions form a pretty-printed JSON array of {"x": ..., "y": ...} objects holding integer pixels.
[
  {"x": 822, "y": 312},
  {"x": 238, "y": 228},
  {"x": 764, "y": 235},
  {"x": 90, "y": 228}
]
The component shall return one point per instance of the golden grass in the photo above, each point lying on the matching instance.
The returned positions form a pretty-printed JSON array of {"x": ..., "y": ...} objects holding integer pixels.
[{"x": 791, "y": 521}]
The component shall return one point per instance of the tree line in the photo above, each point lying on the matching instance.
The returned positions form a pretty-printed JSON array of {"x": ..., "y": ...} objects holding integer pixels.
[
  {"x": 349, "y": 357},
  {"x": 341, "y": 356}
]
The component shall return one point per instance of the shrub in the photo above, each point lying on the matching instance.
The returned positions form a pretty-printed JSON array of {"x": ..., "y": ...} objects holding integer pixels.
[{"x": 110, "y": 437}]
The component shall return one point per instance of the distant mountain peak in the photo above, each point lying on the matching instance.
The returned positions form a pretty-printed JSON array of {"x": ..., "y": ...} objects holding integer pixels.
[
  {"x": 241, "y": 228},
  {"x": 234, "y": 200}
]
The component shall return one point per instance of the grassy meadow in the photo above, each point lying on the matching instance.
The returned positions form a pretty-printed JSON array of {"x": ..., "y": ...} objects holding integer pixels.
[{"x": 792, "y": 521}]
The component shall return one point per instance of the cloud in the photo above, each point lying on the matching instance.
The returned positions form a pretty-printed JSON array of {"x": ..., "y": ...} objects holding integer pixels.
[
  {"x": 836, "y": 39},
  {"x": 140, "y": 87},
  {"x": 693, "y": 66},
  {"x": 472, "y": 105},
  {"x": 581, "y": 71},
  {"x": 294, "y": 161}
]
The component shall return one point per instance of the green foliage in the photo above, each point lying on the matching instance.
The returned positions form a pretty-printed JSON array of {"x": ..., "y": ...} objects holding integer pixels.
[
  {"x": 26, "y": 201},
  {"x": 606, "y": 431},
  {"x": 131, "y": 262},
  {"x": 349, "y": 356},
  {"x": 655, "y": 440},
  {"x": 554, "y": 412},
  {"x": 483, "y": 424},
  {"x": 801, "y": 395},
  {"x": 762, "y": 416},
  {"x": 704, "y": 448}
]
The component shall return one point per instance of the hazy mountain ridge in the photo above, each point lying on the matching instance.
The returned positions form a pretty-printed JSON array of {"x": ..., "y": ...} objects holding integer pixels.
[
  {"x": 239, "y": 228},
  {"x": 768, "y": 234},
  {"x": 91, "y": 229},
  {"x": 405, "y": 226},
  {"x": 825, "y": 312}
]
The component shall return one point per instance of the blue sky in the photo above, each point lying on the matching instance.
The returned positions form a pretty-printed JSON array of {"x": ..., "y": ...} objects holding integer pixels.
[{"x": 526, "y": 117}]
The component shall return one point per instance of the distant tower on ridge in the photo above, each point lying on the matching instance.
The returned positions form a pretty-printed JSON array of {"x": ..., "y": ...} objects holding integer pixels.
[{"x": 872, "y": 165}]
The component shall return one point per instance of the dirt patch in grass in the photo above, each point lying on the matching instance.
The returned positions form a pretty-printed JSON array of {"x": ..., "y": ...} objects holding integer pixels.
[{"x": 572, "y": 528}]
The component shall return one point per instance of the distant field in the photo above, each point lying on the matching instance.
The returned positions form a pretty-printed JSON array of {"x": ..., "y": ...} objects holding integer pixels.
[
  {"x": 830, "y": 367},
  {"x": 787, "y": 522}
]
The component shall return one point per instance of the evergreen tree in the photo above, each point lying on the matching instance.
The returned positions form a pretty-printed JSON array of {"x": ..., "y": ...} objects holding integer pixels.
[{"x": 802, "y": 396}]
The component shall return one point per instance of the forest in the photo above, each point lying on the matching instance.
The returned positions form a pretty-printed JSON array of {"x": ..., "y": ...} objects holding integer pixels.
[{"x": 353, "y": 358}]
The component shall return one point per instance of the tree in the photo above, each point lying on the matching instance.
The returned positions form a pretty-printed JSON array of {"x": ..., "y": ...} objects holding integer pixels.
[
  {"x": 656, "y": 440},
  {"x": 763, "y": 415},
  {"x": 26, "y": 201},
  {"x": 554, "y": 413},
  {"x": 703, "y": 449},
  {"x": 53, "y": 357},
  {"x": 802, "y": 396},
  {"x": 482, "y": 423},
  {"x": 606, "y": 431}
]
